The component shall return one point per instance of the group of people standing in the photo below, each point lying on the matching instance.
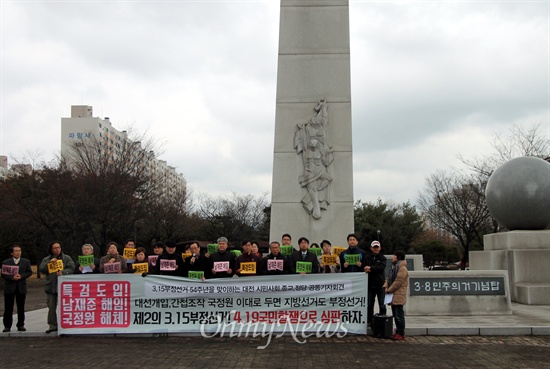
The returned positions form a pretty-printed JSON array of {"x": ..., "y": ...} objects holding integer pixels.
[{"x": 221, "y": 264}]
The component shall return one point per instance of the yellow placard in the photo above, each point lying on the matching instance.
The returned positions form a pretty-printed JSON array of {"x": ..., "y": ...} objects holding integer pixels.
[
  {"x": 337, "y": 250},
  {"x": 186, "y": 255},
  {"x": 329, "y": 259},
  {"x": 55, "y": 266},
  {"x": 140, "y": 268},
  {"x": 129, "y": 253},
  {"x": 248, "y": 267}
]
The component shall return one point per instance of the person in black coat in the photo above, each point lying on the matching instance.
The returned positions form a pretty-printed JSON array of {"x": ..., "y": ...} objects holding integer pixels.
[
  {"x": 15, "y": 289},
  {"x": 275, "y": 254},
  {"x": 222, "y": 256},
  {"x": 197, "y": 262},
  {"x": 304, "y": 255},
  {"x": 375, "y": 267},
  {"x": 170, "y": 254}
]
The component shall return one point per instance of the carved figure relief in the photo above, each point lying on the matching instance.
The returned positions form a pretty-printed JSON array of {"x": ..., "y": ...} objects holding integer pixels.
[{"x": 310, "y": 141}]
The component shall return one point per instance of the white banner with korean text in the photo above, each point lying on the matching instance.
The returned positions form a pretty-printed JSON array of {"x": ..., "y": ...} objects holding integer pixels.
[{"x": 128, "y": 303}]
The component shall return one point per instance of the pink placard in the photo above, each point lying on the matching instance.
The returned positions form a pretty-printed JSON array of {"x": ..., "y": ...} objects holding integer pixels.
[
  {"x": 111, "y": 267},
  {"x": 167, "y": 264},
  {"x": 221, "y": 266},
  {"x": 153, "y": 259},
  {"x": 274, "y": 264},
  {"x": 10, "y": 269}
]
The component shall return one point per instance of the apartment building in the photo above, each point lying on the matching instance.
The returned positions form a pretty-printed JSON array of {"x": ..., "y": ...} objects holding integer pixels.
[{"x": 83, "y": 126}]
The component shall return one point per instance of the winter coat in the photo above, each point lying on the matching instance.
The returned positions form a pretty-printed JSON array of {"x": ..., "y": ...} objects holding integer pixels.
[
  {"x": 222, "y": 256},
  {"x": 263, "y": 265},
  {"x": 118, "y": 259},
  {"x": 25, "y": 272},
  {"x": 377, "y": 263},
  {"x": 51, "y": 278},
  {"x": 399, "y": 285}
]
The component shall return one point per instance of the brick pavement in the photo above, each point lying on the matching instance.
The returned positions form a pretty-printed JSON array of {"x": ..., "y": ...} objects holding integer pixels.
[
  {"x": 348, "y": 352},
  {"x": 36, "y": 349}
]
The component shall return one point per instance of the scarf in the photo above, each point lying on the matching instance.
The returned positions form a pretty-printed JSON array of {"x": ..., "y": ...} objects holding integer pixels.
[{"x": 392, "y": 274}]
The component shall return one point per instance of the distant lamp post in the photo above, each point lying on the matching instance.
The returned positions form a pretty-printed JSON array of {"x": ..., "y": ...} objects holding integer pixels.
[{"x": 378, "y": 234}]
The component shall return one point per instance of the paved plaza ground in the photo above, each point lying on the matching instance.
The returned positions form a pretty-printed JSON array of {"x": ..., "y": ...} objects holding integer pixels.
[
  {"x": 349, "y": 352},
  {"x": 525, "y": 349}
]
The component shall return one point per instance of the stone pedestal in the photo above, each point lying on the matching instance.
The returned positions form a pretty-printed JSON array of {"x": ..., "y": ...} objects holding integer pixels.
[
  {"x": 456, "y": 292},
  {"x": 313, "y": 65},
  {"x": 526, "y": 257}
]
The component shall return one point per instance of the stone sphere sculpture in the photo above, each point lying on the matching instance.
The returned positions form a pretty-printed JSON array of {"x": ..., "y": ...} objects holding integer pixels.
[{"x": 518, "y": 194}]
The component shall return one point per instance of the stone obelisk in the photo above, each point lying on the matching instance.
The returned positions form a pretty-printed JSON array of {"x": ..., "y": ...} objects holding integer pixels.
[{"x": 312, "y": 192}]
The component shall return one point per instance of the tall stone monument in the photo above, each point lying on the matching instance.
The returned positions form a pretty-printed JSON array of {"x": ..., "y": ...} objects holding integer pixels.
[{"x": 312, "y": 192}]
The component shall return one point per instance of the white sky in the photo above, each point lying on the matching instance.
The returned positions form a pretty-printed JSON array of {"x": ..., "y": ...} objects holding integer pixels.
[{"x": 430, "y": 79}]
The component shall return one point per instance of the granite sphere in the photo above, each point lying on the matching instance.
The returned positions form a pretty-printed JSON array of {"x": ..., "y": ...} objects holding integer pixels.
[{"x": 518, "y": 194}]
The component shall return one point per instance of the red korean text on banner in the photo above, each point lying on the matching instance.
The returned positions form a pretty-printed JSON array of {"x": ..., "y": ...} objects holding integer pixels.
[{"x": 95, "y": 304}]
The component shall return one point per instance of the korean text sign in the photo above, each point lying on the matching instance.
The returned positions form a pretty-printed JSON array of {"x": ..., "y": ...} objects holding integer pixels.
[{"x": 129, "y": 303}]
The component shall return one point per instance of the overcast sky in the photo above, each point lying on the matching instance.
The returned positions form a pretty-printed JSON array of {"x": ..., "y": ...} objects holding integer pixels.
[{"x": 430, "y": 79}]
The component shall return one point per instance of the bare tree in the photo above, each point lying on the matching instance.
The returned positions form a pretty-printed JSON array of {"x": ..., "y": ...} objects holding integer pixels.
[
  {"x": 119, "y": 184},
  {"x": 521, "y": 141},
  {"x": 171, "y": 218},
  {"x": 237, "y": 217},
  {"x": 455, "y": 203}
]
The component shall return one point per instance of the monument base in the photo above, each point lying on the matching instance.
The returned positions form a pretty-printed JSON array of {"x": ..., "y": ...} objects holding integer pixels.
[
  {"x": 465, "y": 293},
  {"x": 526, "y": 257}
]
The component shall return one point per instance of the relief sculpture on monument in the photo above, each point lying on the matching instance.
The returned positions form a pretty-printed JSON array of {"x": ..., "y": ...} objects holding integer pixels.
[{"x": 310, "y": 141}]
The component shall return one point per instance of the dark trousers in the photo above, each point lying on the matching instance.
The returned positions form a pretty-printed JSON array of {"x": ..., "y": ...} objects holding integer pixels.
[
  {"x": 19, "y": 299},
  {"x": 52, "y": 310},
  {"x": 373, "y": 294},
  {"x": 399, "y": 317}
]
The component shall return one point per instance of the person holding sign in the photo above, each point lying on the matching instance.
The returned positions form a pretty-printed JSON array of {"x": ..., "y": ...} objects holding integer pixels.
[
  {"x": 375, "y": 266},
  {"x": 397, "y": 284},
  {"x": 196, "y": 262},
  {"x": 86, "y": 262},
  {"x": 223, "y": 261},
  {"x": 52, "y": 266},
  {"x": 303, "y": 261},
  {"x": 246, "y": 264},
  {"x": 170, "y": 263},
  {"x": 274, "y": 263},
  {"x": 112, "y": 262},
  {"x": 140, "y": 265},
  {"x": 158, "y": 249},
  {"x": 129, "y": 253},
  {"x": 15, "y": 272},
  {"x": 330, "y": 263},
  {"x": 353, "y": 259}
]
